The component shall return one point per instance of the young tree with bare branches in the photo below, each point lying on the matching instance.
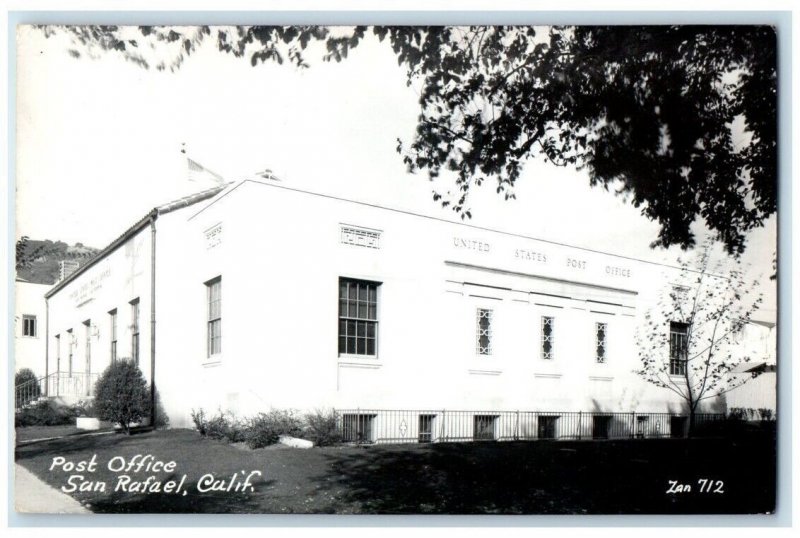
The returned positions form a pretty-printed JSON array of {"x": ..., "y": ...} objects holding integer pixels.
[{"x": 688, "y": 344}]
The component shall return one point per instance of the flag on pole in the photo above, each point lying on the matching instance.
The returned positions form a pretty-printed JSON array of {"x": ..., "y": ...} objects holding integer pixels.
[{"x": 198, "y": 172}]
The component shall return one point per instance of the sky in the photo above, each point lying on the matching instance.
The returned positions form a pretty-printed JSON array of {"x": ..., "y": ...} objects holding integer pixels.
[{"x": 99, "y": 144}]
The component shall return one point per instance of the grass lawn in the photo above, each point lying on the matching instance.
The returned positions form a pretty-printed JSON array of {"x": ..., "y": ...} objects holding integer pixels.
[
  {"x": 601, "y": 477},
  {"x": 30, "y": 433}
]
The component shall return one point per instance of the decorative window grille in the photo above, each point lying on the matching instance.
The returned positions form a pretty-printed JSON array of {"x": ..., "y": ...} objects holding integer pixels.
[
  {"x": 135, "y": 330},
  {"x": 112, "y": 320},
  {"x": 601, "y": 331},
  {"x": 484, "y": 427},
  {"x": 426, "y": 428},
  {"x": 678, "y": 348},
  {"x": 358, "y": 317},
  {"x": 548, "y": 337},
  {"x": 214, "y": 323},
  {"x": 360, "y": 237},
  {"x": 483, "y": 343}
]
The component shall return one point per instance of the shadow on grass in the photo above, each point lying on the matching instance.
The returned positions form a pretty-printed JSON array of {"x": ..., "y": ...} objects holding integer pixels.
[
  {"x": 120, "y": 502},
  {"x": 609, "y": 477},
  {"x": 69, "y": 444},
  {"x": 544, "y": 477}
]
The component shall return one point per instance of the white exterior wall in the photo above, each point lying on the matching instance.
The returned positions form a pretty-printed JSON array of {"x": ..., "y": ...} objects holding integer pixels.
[
  {"x": 279, "y": 256},
  {"x": 759, "y": 343},
  {"x": 29, "y": 351},
  {"x": 758, "y": 393},
  {"x": 280, "y": 272},
  {"x": 112, "y": 283}
]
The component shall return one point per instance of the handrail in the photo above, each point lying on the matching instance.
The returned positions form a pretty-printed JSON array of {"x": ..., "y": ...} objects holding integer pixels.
[{"x": 57, "y": 384}]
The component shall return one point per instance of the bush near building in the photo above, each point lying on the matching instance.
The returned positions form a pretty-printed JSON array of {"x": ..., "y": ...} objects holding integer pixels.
[
  {"x": 31, "y": 390},
  {"x": 122, "y": 395},
  {"x": 221, "y": 426},
  {"x": 320, "y": 427},
  {"x": 265, "y": 428},
  {"x": 46, "y": 413}
]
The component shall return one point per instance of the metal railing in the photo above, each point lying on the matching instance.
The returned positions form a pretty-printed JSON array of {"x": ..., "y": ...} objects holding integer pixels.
[
  {"x": 28, "y": 393},
  {"x": 365, "y": 426},
  {"x": 74, "y": 385},
  {"x": 58, "y": 384}
]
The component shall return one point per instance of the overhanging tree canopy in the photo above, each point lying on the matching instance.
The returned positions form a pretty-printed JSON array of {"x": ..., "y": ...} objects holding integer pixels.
[{"x": 682, "y": 120}]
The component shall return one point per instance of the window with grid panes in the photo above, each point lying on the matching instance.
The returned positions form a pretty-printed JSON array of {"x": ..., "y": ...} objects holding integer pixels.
[
  {"x": 135, "y": 330},
  {"x": 358, "y": 317},
  {"x": 28, "y": 325},
  {"x": 678, "y": 347},
  {"x": 112, "y": 320},
  {"x": 214, "y": 323}
]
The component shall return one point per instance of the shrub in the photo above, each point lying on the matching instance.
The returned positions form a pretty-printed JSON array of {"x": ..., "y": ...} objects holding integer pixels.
[
  {"x": 162, "y": 419},
  {"x": 121, "y": 395},
  {"x": 766, "y": 414},
  {"x": 200, "y": 421},
  {"x": 265, "y": 428},
  {"x": 322, "y": 427},
  {"x": 85, "y": 408},
  {"x": 221, "y": 426},
  {"x": 31, "y": 391},
  {"x": 45, "y": 413}
]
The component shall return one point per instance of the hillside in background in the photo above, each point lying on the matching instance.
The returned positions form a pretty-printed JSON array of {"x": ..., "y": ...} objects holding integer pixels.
[{"x": 37, "y": 260}]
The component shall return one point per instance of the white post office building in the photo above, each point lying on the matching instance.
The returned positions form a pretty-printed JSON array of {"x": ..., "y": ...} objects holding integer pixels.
[{"x": 255, "y": 295}]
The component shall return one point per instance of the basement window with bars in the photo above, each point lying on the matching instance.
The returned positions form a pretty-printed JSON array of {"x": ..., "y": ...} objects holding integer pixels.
[
  {"x": 358, "y": 317},
  {"x": 483, "y": 332},
  {"x": 484, "y": 427},
  {"x": 600, "y": 426},
  {"x": 546, "y": 426},
  {"x": 357, "y": 428},
  {"x": 426, "y": 428},
  {"x": 642, "y": 423}
]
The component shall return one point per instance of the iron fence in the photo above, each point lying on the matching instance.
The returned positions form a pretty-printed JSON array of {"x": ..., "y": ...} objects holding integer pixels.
[
  {"x": 74, "y": 385},
  {"x": 71, "y": 385},
  {"x": 367, "y": 426},
  {"x": 28, "y": 393}
]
